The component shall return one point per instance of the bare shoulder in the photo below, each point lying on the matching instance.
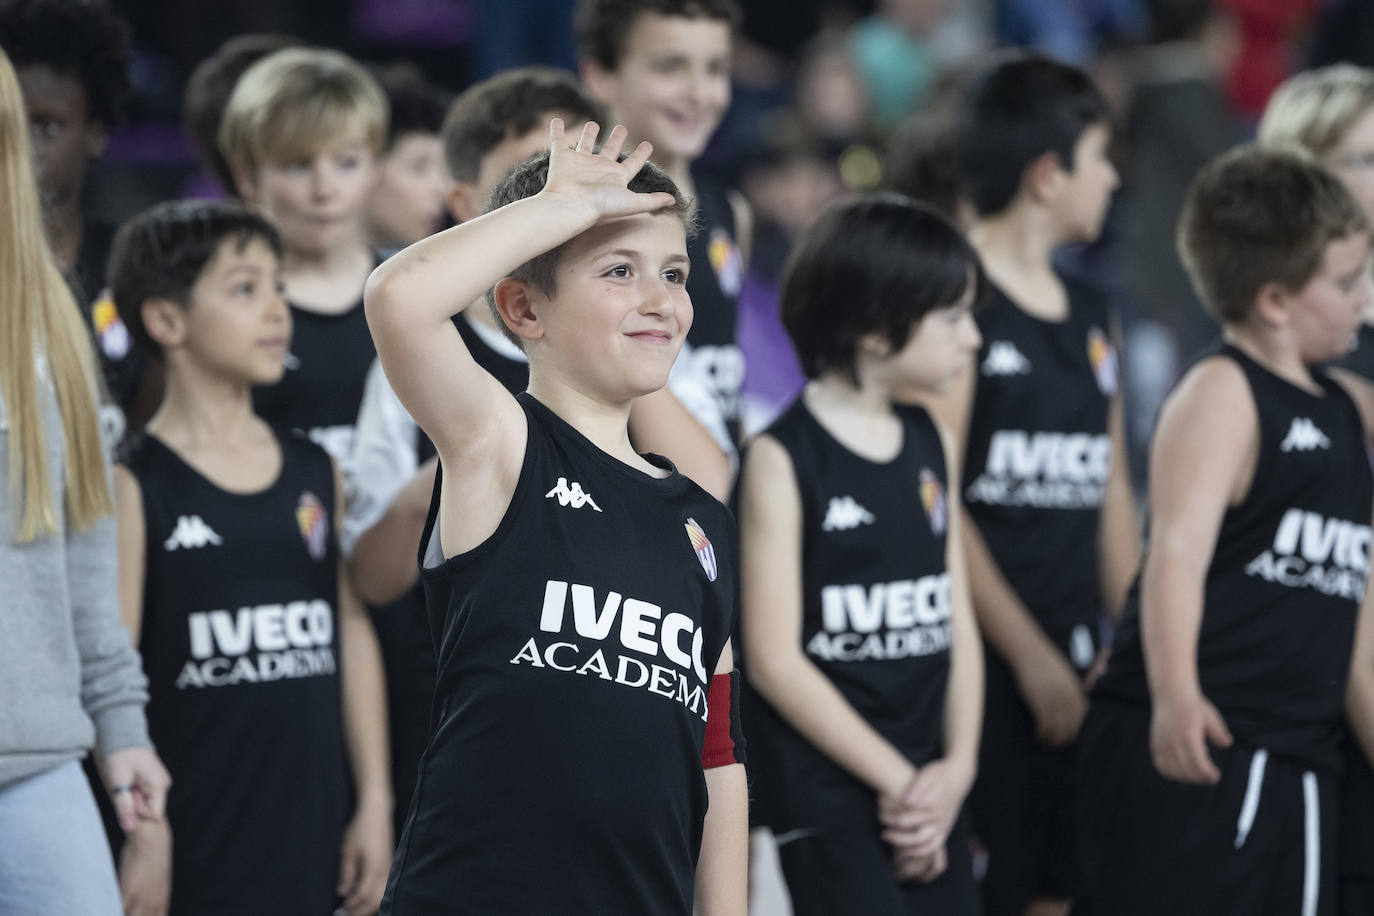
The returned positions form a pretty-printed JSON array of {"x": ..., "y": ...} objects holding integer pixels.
[
  {"x": 767, "y": 476},
  {"x": 1216, "y": 387}
]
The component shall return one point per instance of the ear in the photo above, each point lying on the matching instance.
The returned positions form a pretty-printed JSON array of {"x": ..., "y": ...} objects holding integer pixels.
[
  {"x": 462, "y": 201},
  {"x": 1042, "y": 176},
  {"x": 165, "y": 322},
  {"x": 96, "y": 139},
  {"x": 517, "y": 308},
  {"x": 598, "y": 80},
  {"x": 245, "y": 182},
  {"x": 874, "y": 345},
  {"x": 1273, "y": 305}
]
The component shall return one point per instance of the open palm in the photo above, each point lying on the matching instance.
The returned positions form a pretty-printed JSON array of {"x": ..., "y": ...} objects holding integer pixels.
[{"x": 598, "y": 181}]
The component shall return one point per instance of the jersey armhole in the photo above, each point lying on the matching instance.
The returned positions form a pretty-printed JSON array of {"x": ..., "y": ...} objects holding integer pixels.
[
  {"x": 1263, "y": 456},
  {"x": 431, "y": 552}
]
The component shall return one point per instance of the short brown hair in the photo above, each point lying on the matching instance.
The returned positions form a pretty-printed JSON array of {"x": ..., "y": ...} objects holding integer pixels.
[
  {"x": 1255, "y": 216},
  {"x": 295, "y": 102},
  {"x": 603, "y": 25}
]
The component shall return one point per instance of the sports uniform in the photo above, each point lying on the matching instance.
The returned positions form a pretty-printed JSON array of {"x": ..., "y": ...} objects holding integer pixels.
[
  {"x": 1279, "y": 608},
  {"x": 876, "y": 622},
  {"x": 575, "y": 648},
  {"x": 240, "y": 642},
  {"x": 1036, "y": 468}
]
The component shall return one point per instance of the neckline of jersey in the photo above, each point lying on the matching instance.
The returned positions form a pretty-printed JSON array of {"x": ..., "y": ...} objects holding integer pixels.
[
  {"x": 232, "y": 494},
  {"x": 1021, "y": 310},
  {"x": 673, "y": 481},
  {"x": 891, "y": 462},
  {"x": 1317, "y": 375}
]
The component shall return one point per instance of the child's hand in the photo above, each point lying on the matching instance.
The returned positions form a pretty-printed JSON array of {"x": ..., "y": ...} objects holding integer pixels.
[
  {"x": 920, "y": 820},
  {"x": 597, "y": 182},
  {"x": 366, "y": 859},
  {"x": 1179, "y": 731},
  {"x": 145, "y": 869},
  {"x": 910, "y": 866},
  {"x": 1055, "y": 695}
]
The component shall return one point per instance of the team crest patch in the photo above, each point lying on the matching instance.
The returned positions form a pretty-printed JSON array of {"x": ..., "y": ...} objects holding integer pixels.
[
  {"x": 314, "y": 524},
  {"x": 111, "y": 333},
  {"x": 1102, "y": 355},
  {"x": 702, "y": 545},
  {"x": 933, "y": 498},
  {"x": 726, "y": 261}
]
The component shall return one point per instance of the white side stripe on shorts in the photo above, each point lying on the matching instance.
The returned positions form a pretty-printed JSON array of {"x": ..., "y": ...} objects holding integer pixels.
[
  {"x": 1250, "y": 807},
  {"x": 1311, "y": 872}
]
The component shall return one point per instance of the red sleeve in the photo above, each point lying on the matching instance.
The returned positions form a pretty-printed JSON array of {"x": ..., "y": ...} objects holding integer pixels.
[{"x": 724, "y": 743}]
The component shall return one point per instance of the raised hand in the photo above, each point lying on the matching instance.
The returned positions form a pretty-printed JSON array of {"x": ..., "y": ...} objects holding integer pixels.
[{"x": 597, "y": 182}]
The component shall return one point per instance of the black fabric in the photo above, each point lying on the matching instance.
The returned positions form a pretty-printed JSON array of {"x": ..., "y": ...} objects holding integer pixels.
[
  {"x": 1021, "y": 803},
  {"x": 1357, "y": 832},
  {"x": 1039, "y": 453},
  {"x": 1360, "y": 360},
  {"x": 326, "y": 371},
  {"x": 1149, "y": 845},
  {"x": 850, "y": 871},
  {"x": 545, "y": 790},
  {"x": 875, "y": 611},
  {"x": 1285, "y": 581},
  {"x": 712, "y": 354},
  {"x": 240, "y": 641}
]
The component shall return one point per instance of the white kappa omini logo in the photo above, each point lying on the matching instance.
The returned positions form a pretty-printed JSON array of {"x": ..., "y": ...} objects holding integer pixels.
[
  {"x": 845, "y": 513},
  {"x": 191, "y": 532},
  {"x": 1004, "y": 359},
  {"x": 1304, "y": 436},
  {"x": 571, "y": 495}
]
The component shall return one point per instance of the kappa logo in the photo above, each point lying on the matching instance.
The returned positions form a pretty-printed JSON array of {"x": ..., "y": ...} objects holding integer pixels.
[
  {"x": 844, "y": 513},
  {"x": 1004, "y": 359},
  {"x": 191, "y": 532},
  {"x": 571, "y": 495},
  {"x": 1304, "y": 436},
  {"x": 291, "y": 361}
]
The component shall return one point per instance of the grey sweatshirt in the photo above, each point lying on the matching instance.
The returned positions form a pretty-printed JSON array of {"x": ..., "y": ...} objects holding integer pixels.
[{"x": 68, "y": 675}]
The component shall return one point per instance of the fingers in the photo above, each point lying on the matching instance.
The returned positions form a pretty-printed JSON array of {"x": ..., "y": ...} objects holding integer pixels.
[
  {"x": 348, "y": 870},
  {"x": 126, "y": 811},
  {"x": 635, "y": 161},
  {"x": 555, "y": 133},
  {"x": 614, "y": 142},
  {"x": 1216, "y": 729},
  {"x": 367, "y": 895},
  {"x": 587, "y": 142}
]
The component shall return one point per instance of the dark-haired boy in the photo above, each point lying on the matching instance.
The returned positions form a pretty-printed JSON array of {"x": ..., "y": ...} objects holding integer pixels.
[
  {"x": 574, "y": 584},
  {"x": 264, "y": 676},
  {"x": 662, "y": 68},
  {"x": 1211, "y": 756},
  {"x": 1051, "y": 538},
  {"x": 407, "y": 203}
]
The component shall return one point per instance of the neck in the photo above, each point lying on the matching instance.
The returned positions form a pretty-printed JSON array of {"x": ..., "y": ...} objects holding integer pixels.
[
  {"x": 202, "y": 409},
  {"x": 604, "y": 423},
  {"x": 339, "y": 259},
  {"x": 871, "y": 397},
  {"x": 1274, "y": 350},
  {"x": 1018, "y": 240}
]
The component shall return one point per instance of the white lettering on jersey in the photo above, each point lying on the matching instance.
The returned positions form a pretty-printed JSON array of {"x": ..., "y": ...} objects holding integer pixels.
[
  {"x": 264, "y": 643},
  {"x": 1304, "y": 436},
  {"x": 644, "y": 630},
  {"x": 1047, "y": 470},
  {"x": 887, "y": 620},
  {"x": 844, "y": 513},
  {"x": 1329, "y": 555},
  {"x": 1004, "y": 359},
  {"x": 571, "y": 495},
  {"x": 191, "y": 532}
]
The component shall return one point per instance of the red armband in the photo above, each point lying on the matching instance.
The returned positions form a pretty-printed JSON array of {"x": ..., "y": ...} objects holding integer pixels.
[{"x": 724, "y": 743}]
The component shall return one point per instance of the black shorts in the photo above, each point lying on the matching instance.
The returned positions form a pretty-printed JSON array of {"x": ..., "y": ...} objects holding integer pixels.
[
  {"x": 1357, "y": 834},
  {"x": 1262, "y": 842},
  {"x": 1022, "y": 803},
  {"x": 850, "y": 871}
]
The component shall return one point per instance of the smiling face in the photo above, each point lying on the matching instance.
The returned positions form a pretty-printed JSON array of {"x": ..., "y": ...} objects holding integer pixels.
[
  {"x": 236, "y": 324},
  {"x": 619, "y": 312},
  {"x": 318, "y": 204},
  {"x": 407, "y": 203},
  {"x": 1326, "y": 312},
  {"x": 672, "y": 84}
]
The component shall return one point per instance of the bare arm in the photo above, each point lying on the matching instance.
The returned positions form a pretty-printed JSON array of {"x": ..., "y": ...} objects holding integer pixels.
[
  {"x": 1359, "y": 690},
  {"x": 383, "y": 564},
  {"x": 722, "y": 878},
  {"x": 659, "y": 423},
  {"x": 1202, "y": 461},
  {"x": 964, "y": 699},
  {"x": 771, "y": 623},
  {"x": 367, "y": 845},
  {"x": 129, "y": 528},
  {"x": 1118, "y": 532}
]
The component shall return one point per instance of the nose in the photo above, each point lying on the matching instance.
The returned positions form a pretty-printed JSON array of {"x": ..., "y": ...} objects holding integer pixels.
[
  {"x": 322, "y": 179},
  {"x": 971, "y": 337}
]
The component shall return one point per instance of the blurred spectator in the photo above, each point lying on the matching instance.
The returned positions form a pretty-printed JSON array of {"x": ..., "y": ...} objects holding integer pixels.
[
  {"x": 1268, "y": 30},
  {"x": 1344, "y": 32},
  {"x": 513, "y": 33},
  {"x": 408, "y": 202},
  {"x": 207, "y": 95},
  {"x": 923, "y": 164},
  {"x": 1071, "y": 30}
]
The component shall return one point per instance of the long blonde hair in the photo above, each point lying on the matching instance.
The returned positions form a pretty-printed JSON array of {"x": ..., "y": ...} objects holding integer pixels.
[{"x": 38, "y": 314}]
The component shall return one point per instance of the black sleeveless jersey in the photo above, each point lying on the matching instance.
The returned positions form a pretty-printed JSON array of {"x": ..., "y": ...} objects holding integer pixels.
[
  {"x": 1360, "y": 360},
  {"x": 576, "y": 646},
  {"x": 711, "y": 352},
  {"x": 875, "y": 610},
  {"x": 1039, "y": 454},
  {"x": 240, "y": 644},
  {"x": 326, "y": 371},
  {"x": 1286, "y": 579}
]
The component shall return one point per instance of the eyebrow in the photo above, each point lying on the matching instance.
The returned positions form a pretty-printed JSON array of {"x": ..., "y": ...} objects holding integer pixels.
[
  {"x": 632, "y": 254},
  {"x": 243, "y": 269}
]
